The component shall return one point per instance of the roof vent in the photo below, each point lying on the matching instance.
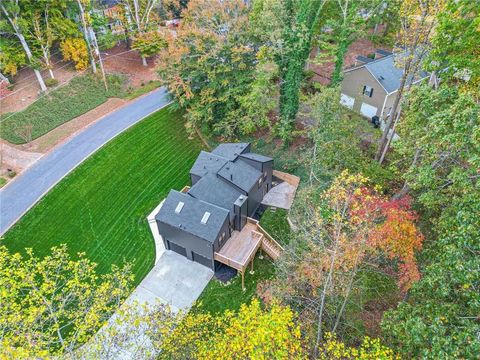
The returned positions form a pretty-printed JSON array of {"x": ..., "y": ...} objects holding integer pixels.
[
  {"x": 179, "y": 207},
  {"x": 205, "y": 217}
]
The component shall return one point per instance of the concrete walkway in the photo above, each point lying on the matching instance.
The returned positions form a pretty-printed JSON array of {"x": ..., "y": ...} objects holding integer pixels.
[{"x": 18, "y": 196}]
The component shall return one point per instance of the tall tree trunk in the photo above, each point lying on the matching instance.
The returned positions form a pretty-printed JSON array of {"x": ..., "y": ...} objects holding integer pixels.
[
  {"x": 97, "y": 52},
  {"x": 38, "y": 75},
  {"x": 86, "y": 35},
  {"x": 390, "y": 138},
  {"x": 389, "y": 124},
  {"x": 46, "y": 56},
  {"x": 406, "y": 188},
  {"x": 25, "y": 46}
]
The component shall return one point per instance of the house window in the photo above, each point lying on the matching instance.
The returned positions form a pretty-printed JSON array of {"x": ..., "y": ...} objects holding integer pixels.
[{"x": 368, "y": 91}]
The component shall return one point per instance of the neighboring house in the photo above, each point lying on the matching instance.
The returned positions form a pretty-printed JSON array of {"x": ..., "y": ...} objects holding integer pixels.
[
  {"x": 369, "y": 88},
  {"x": 112, "y": 11},
  {"x": 228, "y": 185}
]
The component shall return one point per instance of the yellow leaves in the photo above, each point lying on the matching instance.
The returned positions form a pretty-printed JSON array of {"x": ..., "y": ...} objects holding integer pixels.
[
  {"x": 251, "y": 333},
  {"x": 75, "y": 49},
  {"x": 370, "y": 349}
]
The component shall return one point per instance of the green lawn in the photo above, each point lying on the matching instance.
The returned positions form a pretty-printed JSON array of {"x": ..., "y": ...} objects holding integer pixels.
[
  {"x": 218, "y": 297},
  {"x": 101, "y": 207},
  {"x": 60, "y": 105}
]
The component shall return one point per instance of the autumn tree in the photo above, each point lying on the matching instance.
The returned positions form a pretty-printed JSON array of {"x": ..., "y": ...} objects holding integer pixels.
[
  {"x": 84, "y": 8},
  {"x": 47, "y": 24},
  {"x": 418, "y": 20},
  {"x": 12, "y": 56},
  {"x": 52, "y": 305},
  {"x": 16, "y": 24},
  {"x": 370, "y": 349},
  {"x": 209, "y": 66},
  {"x": 140, "y": 16},
  {"x": 439, "y": 319},
  {"x": 149, "y": 43},
  {"x": 342, "y": 232},
  {"x": 250, "y": 333}
]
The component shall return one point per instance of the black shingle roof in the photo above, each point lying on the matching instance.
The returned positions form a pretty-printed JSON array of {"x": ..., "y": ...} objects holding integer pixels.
[
  {"x": 230, "y": 151},
  {"x": 207, "y": 163},
  {"x": 215, "y": 191},
  {"x": 189, "y": 218},
  {"x": 256, "y": 157},
  {"x": 240, "y": 174}
]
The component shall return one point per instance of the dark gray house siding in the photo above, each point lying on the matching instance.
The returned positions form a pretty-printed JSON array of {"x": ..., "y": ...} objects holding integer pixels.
[
  {"x": 228, "y": 185},
  {"x": 193, "y": 244}
]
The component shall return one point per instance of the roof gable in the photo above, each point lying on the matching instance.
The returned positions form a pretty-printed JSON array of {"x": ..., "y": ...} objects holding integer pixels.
[
  {"x": 215, "y": 191},
  {"x": 386, "y": 73},
  {"x": 240, "y": 174},
  {"x": 231, "y": 151},
  {"x": 207, "y": 163}
]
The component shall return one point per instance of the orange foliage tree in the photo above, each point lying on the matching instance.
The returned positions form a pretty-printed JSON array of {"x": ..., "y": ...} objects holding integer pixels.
[{"x": 349, "y": 228}]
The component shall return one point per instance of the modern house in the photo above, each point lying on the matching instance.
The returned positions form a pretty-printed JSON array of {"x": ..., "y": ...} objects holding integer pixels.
[
  {"x": 211, "y": 222},
  {"x": 370, "y": 86}
]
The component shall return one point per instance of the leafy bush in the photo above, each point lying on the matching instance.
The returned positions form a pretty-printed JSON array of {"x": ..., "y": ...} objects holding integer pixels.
[
  {"x": 59, "y": 106},
  {"x": 75, "y": 49},
  {"x": 51, "y": 82}
]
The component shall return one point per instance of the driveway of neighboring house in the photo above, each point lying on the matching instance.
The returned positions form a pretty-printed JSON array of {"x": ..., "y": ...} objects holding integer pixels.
[{"x": 17, "y": 197}]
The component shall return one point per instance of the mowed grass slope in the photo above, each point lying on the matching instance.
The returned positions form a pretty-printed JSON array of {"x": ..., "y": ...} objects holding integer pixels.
[{"x": 101, "y": 207}]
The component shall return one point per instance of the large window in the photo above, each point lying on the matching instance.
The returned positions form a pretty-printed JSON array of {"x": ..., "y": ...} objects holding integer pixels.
[{"x": 368, "y": 91}]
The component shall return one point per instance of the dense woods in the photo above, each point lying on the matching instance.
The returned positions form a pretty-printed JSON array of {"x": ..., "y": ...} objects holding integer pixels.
[{"x": 383, "y": 259}]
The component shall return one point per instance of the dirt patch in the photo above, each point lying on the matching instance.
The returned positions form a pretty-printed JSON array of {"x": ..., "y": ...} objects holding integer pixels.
[
  {"x": 26, "y": 89},
  {"x": 116, "y": 60},
  {"x": 13, "y": 159},
  {"x": 120, "y": 60}
]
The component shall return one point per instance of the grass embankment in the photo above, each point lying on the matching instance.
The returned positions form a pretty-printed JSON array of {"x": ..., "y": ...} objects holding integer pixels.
[
  {"x": 101, "y": 207},
  {"x": 60, "y": 105},
  {"x": 218, "y": 297}
]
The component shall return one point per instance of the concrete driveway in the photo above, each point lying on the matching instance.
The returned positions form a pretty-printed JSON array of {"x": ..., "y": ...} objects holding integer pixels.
[{"x": 174, "y": 280}]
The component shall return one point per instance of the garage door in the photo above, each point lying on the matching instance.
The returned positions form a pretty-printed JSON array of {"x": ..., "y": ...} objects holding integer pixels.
[
  {"x": 201, "y": 259},
  {"x": 368, "y": 110},
  {"x": 177, "y": 248},
  {"x": 347, "y": 101}
]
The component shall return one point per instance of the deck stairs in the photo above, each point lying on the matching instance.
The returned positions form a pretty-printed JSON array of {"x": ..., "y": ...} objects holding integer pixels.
[{"x": 271, "y": 247}]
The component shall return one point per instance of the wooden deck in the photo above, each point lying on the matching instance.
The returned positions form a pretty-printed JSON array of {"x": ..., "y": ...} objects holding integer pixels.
[{"x": 240, "y": 249}]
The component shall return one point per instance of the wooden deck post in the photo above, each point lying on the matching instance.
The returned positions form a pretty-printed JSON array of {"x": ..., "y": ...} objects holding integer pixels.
[
  {"x": 243, "y": 281},
  {"x": 252, "y": 265}
]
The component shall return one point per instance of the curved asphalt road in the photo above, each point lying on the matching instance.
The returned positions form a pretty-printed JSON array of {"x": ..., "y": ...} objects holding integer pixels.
[{"x": 24, "y": 192}]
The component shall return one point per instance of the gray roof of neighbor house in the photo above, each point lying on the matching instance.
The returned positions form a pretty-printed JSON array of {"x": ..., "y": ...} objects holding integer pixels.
[
  {"x": 215, "y": 191},
  {"x": 230, "y": 151},
  {"x": 207, "y": 162},
  {"x": 190, "y": 216},
  {"x": 387, "y": 74},
  {"x": 256, "y": 157},
  {"x": 240, "y": 174}
]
